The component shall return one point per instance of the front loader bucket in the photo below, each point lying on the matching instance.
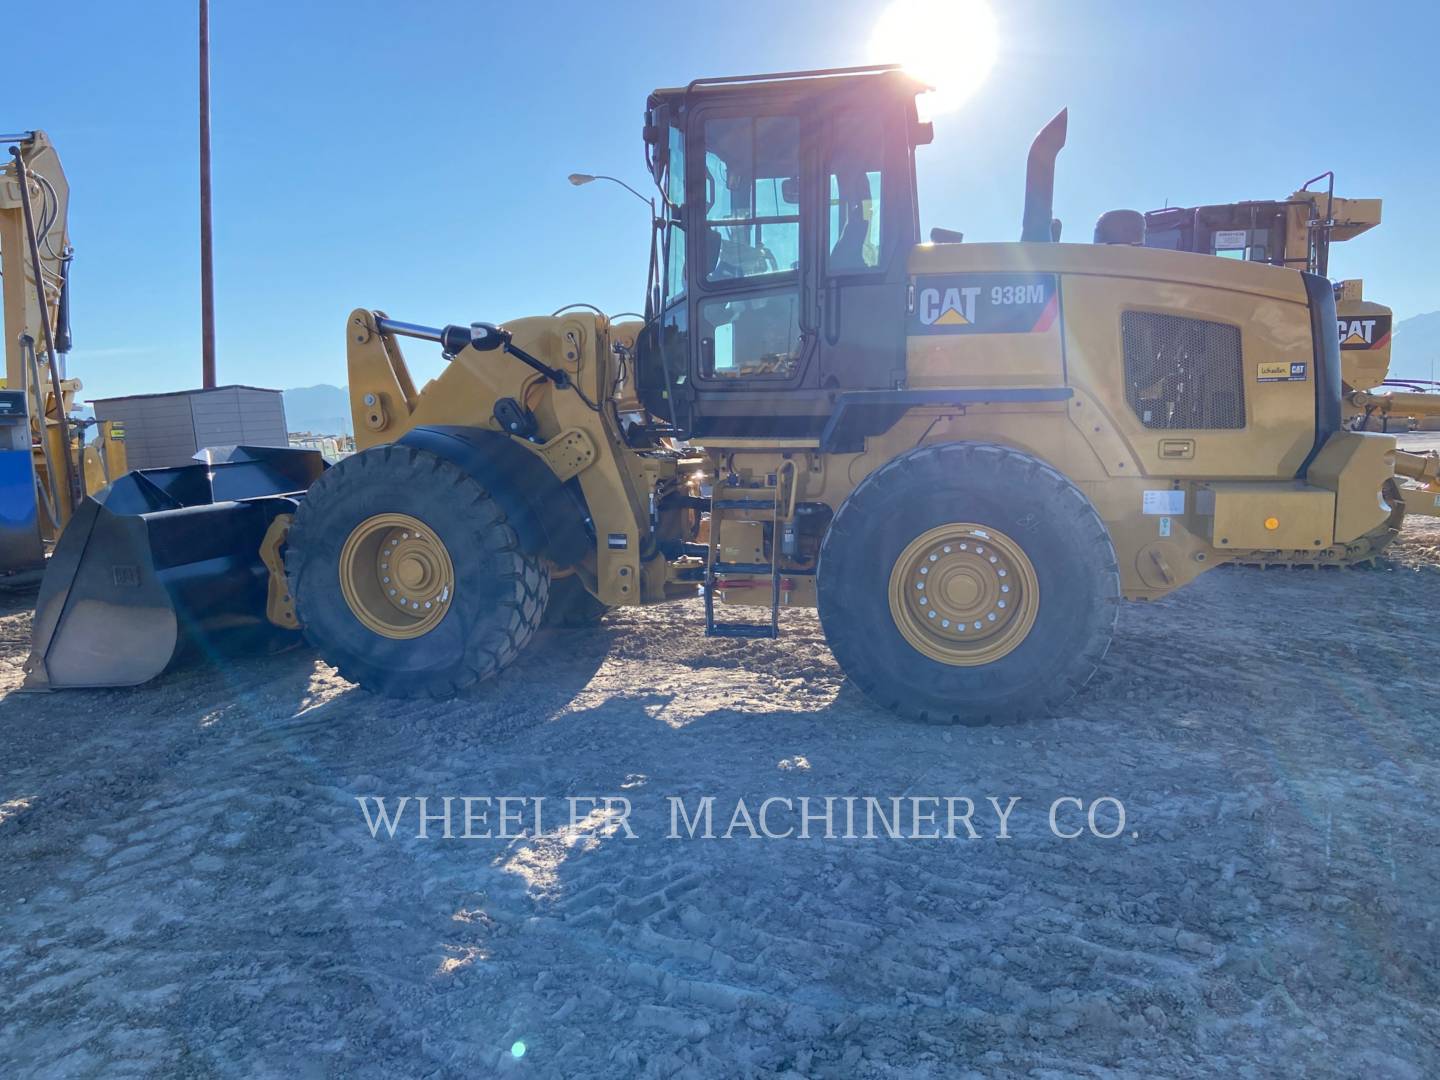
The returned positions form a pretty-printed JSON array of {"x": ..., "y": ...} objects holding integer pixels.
[{"x": 164, "y": 565}]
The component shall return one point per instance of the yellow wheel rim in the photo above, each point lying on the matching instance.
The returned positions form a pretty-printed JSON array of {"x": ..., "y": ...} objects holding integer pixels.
[
  {"x": 396, "y": 576},
  {"x": 964, "y": 594}
]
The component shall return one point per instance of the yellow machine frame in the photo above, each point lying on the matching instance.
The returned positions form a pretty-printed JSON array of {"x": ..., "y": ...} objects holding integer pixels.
[{"x": 1239, "y": 487}]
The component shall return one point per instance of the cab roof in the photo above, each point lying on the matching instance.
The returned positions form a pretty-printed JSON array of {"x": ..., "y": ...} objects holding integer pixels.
[{"x": 885, "y": 78}]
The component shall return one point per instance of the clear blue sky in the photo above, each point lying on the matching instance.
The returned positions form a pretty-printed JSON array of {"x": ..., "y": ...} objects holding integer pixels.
[{"x": 412, "y": 156}]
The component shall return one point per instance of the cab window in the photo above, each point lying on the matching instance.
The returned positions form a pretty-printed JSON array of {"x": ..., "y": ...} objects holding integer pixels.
[
  {"x": 752, "y": 197},
  {"x": 674, "y": 238},
  {"x": 675, "y": 261},
  {"x": 855, "y": 171},
  {"x": 675, "y": 169},
  {"x": 757, "y": 337}
]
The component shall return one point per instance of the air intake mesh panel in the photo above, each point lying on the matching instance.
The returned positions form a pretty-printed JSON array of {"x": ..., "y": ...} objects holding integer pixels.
[{"x": 1183, "y": 373}]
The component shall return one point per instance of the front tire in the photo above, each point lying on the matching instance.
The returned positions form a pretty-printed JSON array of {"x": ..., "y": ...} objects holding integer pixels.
[
  {"x": 997, "y": 546},
  {"x": 407, "y": 577}
]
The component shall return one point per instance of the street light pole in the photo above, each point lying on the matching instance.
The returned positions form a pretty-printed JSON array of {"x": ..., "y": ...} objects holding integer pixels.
[
  {"x": 207, "y": 268},
  {"x": 580, "y": 179}
]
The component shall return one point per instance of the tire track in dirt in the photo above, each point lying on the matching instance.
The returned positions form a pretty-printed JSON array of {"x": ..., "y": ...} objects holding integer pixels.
[{"x": 186, "y": 885}]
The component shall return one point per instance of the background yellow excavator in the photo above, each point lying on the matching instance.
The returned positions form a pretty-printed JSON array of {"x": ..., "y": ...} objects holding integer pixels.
[{"x": 50, "y": 464}]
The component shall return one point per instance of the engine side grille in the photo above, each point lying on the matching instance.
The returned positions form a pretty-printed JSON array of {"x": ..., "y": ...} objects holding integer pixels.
[{"x": 1183, "y": 373}]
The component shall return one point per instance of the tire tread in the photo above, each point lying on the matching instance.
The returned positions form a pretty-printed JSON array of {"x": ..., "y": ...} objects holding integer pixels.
[{"x": 490, "y": 648}]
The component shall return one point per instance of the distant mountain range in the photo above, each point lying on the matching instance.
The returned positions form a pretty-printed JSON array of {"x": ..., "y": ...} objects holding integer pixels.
[
  {"x": 1415, "y": 347},
  {"x": 320, "y": 410}
]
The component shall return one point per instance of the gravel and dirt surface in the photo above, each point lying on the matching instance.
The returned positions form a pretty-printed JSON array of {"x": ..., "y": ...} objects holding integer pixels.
[{"x": 188, "y": 885}]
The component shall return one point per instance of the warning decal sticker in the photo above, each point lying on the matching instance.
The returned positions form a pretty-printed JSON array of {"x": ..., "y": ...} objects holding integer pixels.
[{"x": 984, "y": 304}]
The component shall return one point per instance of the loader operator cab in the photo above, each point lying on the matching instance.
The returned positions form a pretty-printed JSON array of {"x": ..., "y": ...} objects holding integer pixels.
[{"x": 779, "y": 277}]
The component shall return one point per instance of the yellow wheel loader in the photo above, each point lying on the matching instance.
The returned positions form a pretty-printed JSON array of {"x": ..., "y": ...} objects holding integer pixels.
[{"x": 964, "y": 455}]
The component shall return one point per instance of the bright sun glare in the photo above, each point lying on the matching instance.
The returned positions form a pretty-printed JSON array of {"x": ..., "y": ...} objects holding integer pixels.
[{"x": 949, "y": 44}]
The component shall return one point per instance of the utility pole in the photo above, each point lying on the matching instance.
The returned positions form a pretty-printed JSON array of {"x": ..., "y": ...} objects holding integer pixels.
[{"x": 207, "y": 268}]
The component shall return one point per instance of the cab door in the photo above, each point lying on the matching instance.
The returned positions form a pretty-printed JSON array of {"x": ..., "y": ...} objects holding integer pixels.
[
  {"x": 867, "y": 228},
  {"x": 746, "y": 245}
]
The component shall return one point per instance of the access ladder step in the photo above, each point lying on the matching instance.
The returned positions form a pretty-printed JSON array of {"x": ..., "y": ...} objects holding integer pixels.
[
  {"x": 759, "y": 568},
  {"x": 742, "y": 568},
  {"x": 741, "y": 630},
  {"x": 742, "y": 504}
]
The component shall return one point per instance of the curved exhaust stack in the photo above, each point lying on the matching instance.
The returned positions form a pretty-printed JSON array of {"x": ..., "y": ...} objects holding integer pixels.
[{"x": 1040, "y": 181}]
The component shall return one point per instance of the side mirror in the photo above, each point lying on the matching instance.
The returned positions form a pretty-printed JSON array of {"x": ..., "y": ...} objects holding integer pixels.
[{"x": 790, "y": 190}]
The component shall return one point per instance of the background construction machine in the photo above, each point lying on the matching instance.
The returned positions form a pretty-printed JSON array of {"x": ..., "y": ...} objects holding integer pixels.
[
  {"x": 964, "y": 455},
  {"x": 46, "y": 463},
  {"x": 1297, "y": 232}
]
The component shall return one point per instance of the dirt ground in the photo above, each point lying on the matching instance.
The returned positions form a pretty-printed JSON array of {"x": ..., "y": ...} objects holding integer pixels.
[{"x": 188, "y": 886}]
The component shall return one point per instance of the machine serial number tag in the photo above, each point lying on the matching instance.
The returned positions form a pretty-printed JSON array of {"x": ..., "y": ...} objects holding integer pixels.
[
  {"x": 984, "y": 303},
  {"x": 1281, "y": 371},
  {"x": 1168, "y": 502}
]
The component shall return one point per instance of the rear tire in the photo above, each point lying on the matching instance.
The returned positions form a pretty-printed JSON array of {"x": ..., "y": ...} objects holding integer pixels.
[
  {"x": 495, "y": 601},
  {"x": 1058, "y": 614}
]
